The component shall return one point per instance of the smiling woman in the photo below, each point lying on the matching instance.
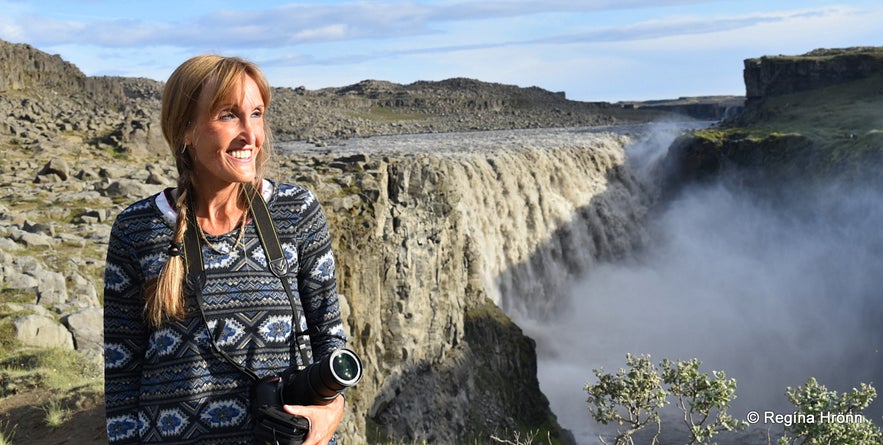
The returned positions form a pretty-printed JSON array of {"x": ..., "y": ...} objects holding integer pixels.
[
  {"x": 225, "y": 139},
  {"x": 186, "y": 342}
]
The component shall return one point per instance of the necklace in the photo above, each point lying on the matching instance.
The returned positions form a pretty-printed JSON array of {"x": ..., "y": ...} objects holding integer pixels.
[{"x": 239, "y": 238}]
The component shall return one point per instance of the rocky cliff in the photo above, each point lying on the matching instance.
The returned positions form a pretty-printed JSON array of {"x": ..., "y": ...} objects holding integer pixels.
[
  {"x": 777, "y": 75},
  {"x": 43, "y": 96},
  {"x": 809, "y": 118}
]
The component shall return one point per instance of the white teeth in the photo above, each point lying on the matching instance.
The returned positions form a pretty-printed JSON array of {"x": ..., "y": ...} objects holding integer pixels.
[{"x": 241, "y": 154}]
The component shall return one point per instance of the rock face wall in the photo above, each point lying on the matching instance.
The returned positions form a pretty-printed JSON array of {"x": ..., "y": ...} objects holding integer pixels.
[
  {"x": 23, "y": 66},
  {"x": 777, "y": 75},
  {"x": 431, "y": 241}
]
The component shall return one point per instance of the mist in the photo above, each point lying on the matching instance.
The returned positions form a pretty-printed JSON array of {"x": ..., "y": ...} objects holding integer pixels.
[{"x": 771, "y": 290}]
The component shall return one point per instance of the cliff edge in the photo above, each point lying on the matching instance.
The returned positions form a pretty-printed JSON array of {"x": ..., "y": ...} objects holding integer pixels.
[
  {"x": 810, "y": 118},
  {"x": 771, "y": 76}
]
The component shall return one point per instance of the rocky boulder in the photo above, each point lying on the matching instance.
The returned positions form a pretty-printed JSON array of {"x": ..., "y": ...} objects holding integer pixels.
[
  {"x": 41, "y": 331},
  {"x": 87, "y": 328}
]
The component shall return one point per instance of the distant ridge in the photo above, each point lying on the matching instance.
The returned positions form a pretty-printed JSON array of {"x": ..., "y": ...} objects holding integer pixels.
[{"x": 122, "y": 113}]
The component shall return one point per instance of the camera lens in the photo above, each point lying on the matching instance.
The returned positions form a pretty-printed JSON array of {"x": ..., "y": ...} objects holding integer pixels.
[
  {"x": 323, "y": 381},
  {"x": 346, "y": 367}
]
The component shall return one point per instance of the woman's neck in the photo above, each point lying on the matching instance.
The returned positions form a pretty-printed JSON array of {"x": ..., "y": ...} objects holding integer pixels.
[{"x": 219, "y": 211}]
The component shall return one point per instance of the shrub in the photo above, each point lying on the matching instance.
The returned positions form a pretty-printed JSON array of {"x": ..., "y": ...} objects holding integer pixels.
[
  {"x": 703, "y": 399},
  {"x": 829, "y": 417},
  {"x": 632, "y": 398},
  {"x": 56, "y": 414}
]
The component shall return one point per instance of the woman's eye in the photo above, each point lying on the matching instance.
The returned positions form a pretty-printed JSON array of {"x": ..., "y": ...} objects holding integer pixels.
[
  {"x": 226, "y": 115},
  {"x": 257, "y": 114}
]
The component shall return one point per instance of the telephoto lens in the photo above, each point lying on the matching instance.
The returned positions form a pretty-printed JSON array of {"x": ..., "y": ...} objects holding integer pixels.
[{"x": 321, "y": 382}]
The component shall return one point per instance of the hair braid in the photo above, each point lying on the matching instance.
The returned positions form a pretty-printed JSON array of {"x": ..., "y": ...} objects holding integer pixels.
[{"x": 166, "y": 299}]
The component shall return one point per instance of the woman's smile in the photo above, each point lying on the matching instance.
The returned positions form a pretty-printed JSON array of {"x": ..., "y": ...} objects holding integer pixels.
[{"x": 243, "y": 155}]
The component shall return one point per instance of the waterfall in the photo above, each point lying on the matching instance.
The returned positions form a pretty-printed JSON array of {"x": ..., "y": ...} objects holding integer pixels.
[
  {"x": 430, "y": 228},
  {"x": 537, "y": 215},
  {"x": 560, "y": 228},
  {"x": 537, "y": 207},
  {"x": 771, "y": 291}
]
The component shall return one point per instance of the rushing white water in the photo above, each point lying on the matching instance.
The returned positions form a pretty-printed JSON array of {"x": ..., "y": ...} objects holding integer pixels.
[{"x": 770, "y": 291}]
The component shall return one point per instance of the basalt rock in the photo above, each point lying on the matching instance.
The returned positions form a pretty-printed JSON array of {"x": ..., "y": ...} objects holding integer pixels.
[{"x": 777, "y": 75}]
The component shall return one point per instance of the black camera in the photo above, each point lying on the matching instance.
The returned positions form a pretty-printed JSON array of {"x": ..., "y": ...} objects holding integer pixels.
[{"x": 317, "y": 384}]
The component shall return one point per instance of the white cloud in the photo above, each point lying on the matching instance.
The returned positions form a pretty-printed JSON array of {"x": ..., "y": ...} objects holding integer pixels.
[
  {"x": 328, "y": 32},
  {"x": 298, "y": 23},
  {"x": 593, "y": 49},
  {"x": 11, "y": 31}
]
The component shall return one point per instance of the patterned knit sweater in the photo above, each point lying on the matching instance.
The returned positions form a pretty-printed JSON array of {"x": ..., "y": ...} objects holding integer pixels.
[{"x": 166, "y": 385}]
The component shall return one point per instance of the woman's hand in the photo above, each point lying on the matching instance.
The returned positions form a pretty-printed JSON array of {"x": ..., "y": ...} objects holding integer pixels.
[{"x": 323, "y": 419}]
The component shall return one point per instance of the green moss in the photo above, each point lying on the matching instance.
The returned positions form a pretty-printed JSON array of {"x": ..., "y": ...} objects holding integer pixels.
[
  {"x": 720, "y": 136},
  {"x": 489, "y": 312},
  {"x": 713, "y": 136},
  {"x": 7, "y": 337},
  {"x": 58, "y": 369}
]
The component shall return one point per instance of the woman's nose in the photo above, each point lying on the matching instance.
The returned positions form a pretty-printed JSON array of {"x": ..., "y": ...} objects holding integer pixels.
[{"x": 249, "y": 130}]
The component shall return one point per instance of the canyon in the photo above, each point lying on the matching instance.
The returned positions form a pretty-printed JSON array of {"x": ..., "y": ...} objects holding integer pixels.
[{"x": 455, "y": 247}]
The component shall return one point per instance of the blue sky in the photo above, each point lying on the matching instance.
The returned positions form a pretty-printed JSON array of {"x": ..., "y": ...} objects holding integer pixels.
[{"x": 594, "y": 50}]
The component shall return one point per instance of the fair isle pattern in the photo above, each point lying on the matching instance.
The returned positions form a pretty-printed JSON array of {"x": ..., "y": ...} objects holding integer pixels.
[
  {"x": 172, "y": 422},
  {"x": 166, "y": 385}
]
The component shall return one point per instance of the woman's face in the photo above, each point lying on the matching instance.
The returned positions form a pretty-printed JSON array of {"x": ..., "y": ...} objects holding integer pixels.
[{"x": 225, "y": 142}]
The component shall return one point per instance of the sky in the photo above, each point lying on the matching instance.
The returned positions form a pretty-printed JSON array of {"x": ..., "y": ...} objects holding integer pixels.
[{"x": 593, "y": 50}]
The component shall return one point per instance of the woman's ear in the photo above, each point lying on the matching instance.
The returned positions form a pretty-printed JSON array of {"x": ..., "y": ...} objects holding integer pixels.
[
  {"x": 189, "y": 137},
  {"x": 188, "y": 134}
]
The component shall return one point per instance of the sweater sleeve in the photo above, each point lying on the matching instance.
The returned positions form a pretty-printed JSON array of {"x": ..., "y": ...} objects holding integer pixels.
[
  {"x": 125, "y": 338},
  {"x": 317, "y": 281}
]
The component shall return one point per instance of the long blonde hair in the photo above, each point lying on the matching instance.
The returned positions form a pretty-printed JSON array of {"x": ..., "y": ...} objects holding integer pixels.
[{"x": 164, "y": 297}]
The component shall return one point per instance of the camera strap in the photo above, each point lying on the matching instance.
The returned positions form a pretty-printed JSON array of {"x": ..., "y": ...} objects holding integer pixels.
[{"x": 278, "y": 265}]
